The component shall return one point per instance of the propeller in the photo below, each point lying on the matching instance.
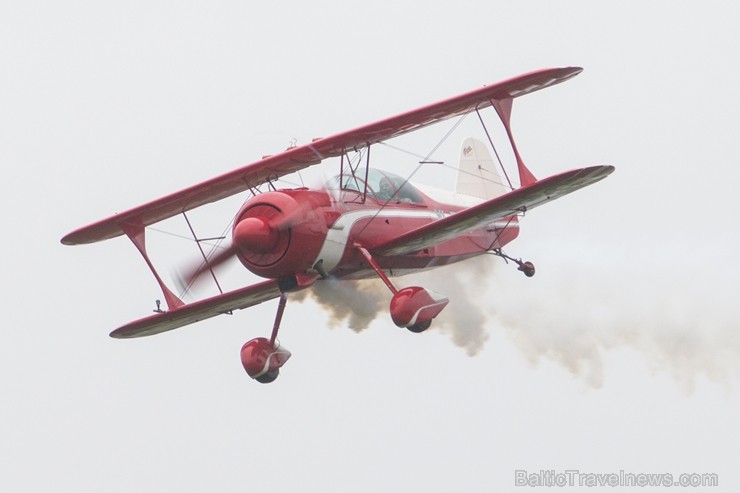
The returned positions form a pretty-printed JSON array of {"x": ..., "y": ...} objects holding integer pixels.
[{"x": 259, "y": 236}]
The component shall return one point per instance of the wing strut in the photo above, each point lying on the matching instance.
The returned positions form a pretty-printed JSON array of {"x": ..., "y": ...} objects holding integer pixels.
[
  {"x": 203, "y": 254},
  {"x": 503, "y": 108},
  {"x": 493, "y": 147},
  {"x": 137, "y": 234},
  {"x": 353, "y": 170}
]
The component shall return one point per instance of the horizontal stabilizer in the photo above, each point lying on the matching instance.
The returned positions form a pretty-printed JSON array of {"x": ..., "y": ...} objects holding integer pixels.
[
  {"x": 520, "y": 200},
  {"x": 199, "y": 310}
]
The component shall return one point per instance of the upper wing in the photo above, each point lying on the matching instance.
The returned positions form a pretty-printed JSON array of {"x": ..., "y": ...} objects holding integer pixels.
[
  {"x": 521, "y": 199},
  {"x": 199, "y": 310},
  {"x": 301, "y": 157}
]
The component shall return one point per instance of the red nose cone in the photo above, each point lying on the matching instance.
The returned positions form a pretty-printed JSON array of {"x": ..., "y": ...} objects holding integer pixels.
[{"x": 254, "y": 234}]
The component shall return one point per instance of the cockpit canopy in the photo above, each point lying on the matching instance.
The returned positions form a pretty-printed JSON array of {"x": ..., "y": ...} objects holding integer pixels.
[{"x": 381, "y": 185}]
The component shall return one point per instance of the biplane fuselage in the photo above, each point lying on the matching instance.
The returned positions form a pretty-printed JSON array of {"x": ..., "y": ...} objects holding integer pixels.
[
  {"x": 327, "y": 224},
  {"x": 362, "y": 223}
]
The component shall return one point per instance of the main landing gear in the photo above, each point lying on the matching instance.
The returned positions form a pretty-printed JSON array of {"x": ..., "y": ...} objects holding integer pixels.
[
  {"x": 261, "y": 357},
  {"x": 412, "y": 307},
  {"x": 526, "y": 267}
]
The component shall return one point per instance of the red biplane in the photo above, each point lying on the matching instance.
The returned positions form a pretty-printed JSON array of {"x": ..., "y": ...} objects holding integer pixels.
[{"x": 363, "y": 223}]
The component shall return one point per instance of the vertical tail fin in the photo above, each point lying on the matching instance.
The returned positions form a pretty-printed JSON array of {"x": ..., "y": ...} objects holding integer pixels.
[{"x": 478, "y": 175}]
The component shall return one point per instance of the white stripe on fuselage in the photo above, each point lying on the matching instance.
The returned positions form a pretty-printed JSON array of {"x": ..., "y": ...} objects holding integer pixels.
[{"x": 338, "y": 234}]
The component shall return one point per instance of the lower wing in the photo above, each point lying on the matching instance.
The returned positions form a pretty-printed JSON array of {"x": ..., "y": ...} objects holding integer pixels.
[{"x": 199, "y": 310}]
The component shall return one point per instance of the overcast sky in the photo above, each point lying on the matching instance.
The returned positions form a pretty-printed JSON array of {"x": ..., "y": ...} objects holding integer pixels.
[{"x": 620, "y": 354}]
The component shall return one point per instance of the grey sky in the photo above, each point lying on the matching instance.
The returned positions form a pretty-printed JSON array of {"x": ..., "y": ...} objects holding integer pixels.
[{"x": 621, "y": 354}]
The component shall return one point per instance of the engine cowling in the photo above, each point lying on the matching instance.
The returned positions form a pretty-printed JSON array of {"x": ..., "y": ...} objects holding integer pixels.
[{"x": 278, "y": 234}]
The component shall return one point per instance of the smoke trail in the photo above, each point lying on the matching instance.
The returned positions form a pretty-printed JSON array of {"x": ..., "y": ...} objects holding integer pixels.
[
  {"x": 578, "y": 310},
  {"x": 358, "y": 303},
  {"x": 354, "y": 303},
  {"x": 676, "y": 319},
  {"x": 465, "y": 319},
  {"x": 574, "y": 313}
]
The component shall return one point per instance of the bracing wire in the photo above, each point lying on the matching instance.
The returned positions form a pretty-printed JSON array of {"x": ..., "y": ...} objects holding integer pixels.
[{"x": 418, "y": 167}]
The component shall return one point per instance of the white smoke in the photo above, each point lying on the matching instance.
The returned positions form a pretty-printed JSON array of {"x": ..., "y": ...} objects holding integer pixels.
[
  {"x": 357, "y": 303},
  {"x": 352, "y": 303},
  {"x": 572, "y": 313},
  {"x": 677, "y": 319},
  {"x": 465, "y": 319}
]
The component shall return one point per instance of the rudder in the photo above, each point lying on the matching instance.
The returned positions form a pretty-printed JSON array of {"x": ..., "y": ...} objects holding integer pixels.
[{"x": 477, "y": 175}]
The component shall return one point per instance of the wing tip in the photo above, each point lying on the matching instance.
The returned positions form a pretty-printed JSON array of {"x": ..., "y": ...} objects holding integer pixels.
[
  {"x": 121, "y": 337},
  {"x": 133, "y": 333},
  {"x": 99, "y": 231},
  {"x": 122, "y": 333},
  {"x": 72, "y": 238},
  {"x": 603, "y": 170}
]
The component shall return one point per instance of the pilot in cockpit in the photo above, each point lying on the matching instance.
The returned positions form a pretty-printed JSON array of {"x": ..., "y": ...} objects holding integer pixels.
[{"x": 386, "y": 190}]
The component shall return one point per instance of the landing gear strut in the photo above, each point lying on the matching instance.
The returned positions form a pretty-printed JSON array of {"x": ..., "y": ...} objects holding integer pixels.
[
  {"x": 526, "y": 267},
  {"x": 412, "y": 307},
  {"x": 262, "y": 358}
]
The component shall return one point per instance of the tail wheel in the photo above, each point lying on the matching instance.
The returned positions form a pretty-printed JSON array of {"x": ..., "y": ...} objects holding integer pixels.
[
  {"x": 527, "y": 268},
  {"x": 420, "y": 327}
]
